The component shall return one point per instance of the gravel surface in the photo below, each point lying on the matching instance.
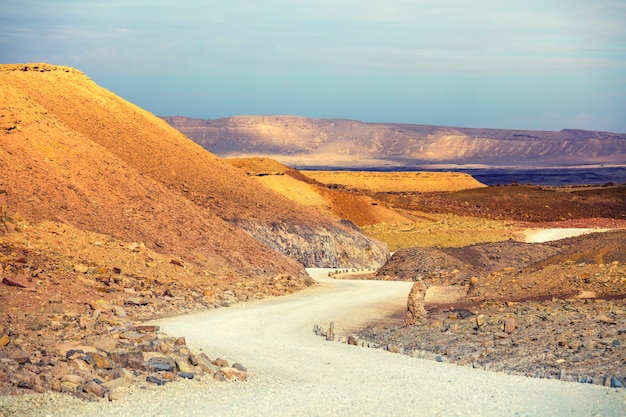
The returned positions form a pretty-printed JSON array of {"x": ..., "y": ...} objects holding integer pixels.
[
  {"x": 547, "y": 235},
  {"x": 292, "y": 372}
]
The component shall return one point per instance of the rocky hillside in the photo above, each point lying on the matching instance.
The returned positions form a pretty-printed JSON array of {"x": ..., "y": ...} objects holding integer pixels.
[
  {"x": 299, "y": 141},
  {"x": 73, "y": 152}
]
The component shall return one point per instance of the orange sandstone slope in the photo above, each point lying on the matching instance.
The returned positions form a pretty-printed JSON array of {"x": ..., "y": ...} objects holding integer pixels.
[{"x": 73, "y": 152}]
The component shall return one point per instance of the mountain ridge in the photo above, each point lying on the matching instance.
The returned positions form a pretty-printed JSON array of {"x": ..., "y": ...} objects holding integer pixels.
[{"x": 304, "y": 142}]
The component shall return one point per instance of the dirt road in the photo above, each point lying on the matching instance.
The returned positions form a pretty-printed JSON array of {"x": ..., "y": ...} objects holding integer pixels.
[{"x": 295, "y": 373}]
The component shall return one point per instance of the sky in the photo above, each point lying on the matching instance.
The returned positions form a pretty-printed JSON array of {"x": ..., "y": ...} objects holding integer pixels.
[{"x": 512, "y": 64}]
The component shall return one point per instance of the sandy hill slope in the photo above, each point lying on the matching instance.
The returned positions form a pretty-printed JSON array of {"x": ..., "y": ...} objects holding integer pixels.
[
  {"x": 298, "y": 187},
  {"x": 300, "y": 142},
  {"x": 74, "y": 152},
  {"x": 399, "y": 182},
  {"x": 347, "y": 195}
]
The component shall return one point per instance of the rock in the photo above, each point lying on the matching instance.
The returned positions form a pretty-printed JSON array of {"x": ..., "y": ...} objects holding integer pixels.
[
  {"x": 395, "y": 349},
  {"x": 616, "y": 383},
  {"x": 147, "y": 329},
  {"x": 13, "y": 282},
  {"x": 156, "y": 362},
  {"x": 233, "y": 374},
  {"x": 416, "y": 313},
  {"x": 71, "y": 382},
  {"x": 155, "y": 380},
  {"x": 168, "y": 376},
  {"x": 133, "y": 360},
  {"x": 101, "y": 305},
  {"x": 220, "y": 362},
  {"x": 116, "y": 394},
  {"x": 100, "y": 361},
  {"x": 219, "y": 376},
  {"x": 94, "y": 389},
  {"x": 80, "y": 364},
  {"x": 205, "y": 363},
  {"x": 19, "y": 356},
  {"x": 62, "y": 349},
  {"x": 136, "y": 301},
  {"x": 105, "y": 343},
  {"x": 4, "y": 340},
  {"x": 186, "y": 375},
  {"x": 183, "y": 365},
  {"x": 240, "y": 367},
  {"x": 352, "y": 340},
  {"x": 119, "y": 311},
  {"x": 117, "y": 383},
  {"x": 509, "y": 324}
]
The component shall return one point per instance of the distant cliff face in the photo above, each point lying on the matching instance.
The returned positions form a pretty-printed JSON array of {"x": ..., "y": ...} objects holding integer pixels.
[{"x": 302, "y": 142}]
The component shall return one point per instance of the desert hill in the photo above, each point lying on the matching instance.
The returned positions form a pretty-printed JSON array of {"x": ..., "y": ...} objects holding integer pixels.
[
  {"x": 348, "y": 195},
  {"x": 304, "y": 142},
  {"x": 73, "y": 152}
]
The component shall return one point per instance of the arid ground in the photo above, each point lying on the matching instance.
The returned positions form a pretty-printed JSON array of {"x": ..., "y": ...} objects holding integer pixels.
[
  {"x": 110, "y": 217},
  {"x": 563, "y": 301}
]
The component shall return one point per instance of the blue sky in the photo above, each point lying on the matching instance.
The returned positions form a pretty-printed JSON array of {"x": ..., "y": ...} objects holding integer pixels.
[{"x": 525, "y": 64}]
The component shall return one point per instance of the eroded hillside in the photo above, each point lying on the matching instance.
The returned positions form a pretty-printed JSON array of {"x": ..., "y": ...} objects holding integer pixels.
[{"x": 74, "y": 152}]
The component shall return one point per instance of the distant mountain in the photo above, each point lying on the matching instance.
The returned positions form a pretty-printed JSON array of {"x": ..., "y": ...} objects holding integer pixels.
[
  {"x": 75, "y": 153},
  {"x": 303, "y": 142}
]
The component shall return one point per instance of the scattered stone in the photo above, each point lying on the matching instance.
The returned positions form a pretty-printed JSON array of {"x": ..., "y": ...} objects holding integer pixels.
[
  {"x": 155, "y": 380},
  {"x": 95, "y": 389},
  {"x": 222, "y": 363},
  {"x": 219, "y": 376},
  {"x": 205, "y": 363},
  {"x": 71, "y": 382},
  {"x": 116, "y": 394},
  {"x": 13, "y": 282},
  {"x": 156, "y": 361},
  {"x": 19, "y": 356},
  {"x": 240, "y": 367},
  {"x": 147, "y": 329},
  {"x": 509, "y": 324},
  {"x": 136, "y": 301},
  {"x": 233, "y": 374}
]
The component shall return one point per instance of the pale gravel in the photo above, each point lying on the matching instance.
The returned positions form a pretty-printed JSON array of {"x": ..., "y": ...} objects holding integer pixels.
[
  {"x": 548, "y": 235},
  {"x": 296, "y": 373}
]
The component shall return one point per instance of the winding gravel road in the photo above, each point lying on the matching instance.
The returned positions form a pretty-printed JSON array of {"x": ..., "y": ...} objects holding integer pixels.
[{"x": 296, "y": 373}]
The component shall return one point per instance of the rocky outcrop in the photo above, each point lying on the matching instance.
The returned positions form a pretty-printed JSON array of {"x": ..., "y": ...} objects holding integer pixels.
[
  {"x": 415, "y": 311},
  {"x": 320, "y": 246}
]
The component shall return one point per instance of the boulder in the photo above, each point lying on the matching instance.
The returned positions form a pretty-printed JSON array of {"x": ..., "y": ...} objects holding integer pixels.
[{"x": 416, "y": 313}]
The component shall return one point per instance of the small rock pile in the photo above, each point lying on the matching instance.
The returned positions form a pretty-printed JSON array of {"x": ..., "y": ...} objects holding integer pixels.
[
  {"x": 73, "y": 307},
  {"x": 112, "y": 354}
]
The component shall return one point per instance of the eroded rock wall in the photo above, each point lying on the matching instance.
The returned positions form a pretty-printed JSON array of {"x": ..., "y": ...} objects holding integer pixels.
[{"x": 320, "y": 246}]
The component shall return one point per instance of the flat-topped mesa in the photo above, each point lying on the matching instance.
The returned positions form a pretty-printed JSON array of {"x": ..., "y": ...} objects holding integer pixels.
[{"x": 38, "y": 67}]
